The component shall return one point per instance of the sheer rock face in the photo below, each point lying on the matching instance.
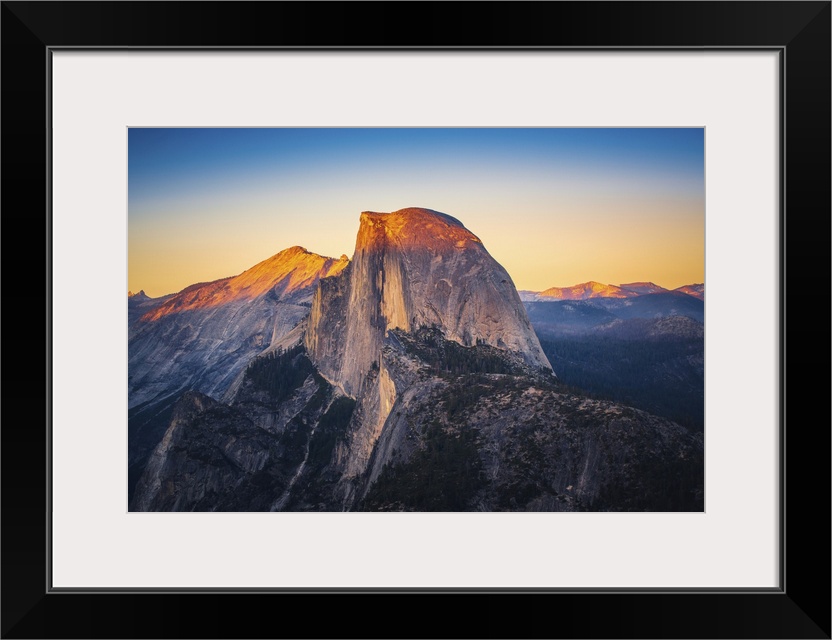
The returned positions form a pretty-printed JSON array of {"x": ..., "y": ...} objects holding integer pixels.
[
  {"x": 411, "y": 268},
  {"x": 202, "y": 337}
]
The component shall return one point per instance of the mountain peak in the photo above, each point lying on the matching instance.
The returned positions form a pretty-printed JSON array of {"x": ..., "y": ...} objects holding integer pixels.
[
  {"x": 415, "y": 268},
  {"x": 696, "y": 290},
  {"x": 414, "y": 214},
  {"x": 141, "y": 295},
  {"x": 642, "y": 288},
  {"x": 292, "y": 273},
  {"x": 583, "y": 291},
  {"x": 413, "y": 227}
]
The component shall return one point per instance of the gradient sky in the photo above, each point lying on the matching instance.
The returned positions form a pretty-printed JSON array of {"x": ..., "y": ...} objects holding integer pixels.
[{"x": 556, "y": 207}]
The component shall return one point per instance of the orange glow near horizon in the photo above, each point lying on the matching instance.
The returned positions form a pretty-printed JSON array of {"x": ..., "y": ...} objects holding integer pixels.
[
  {"x": 554, "y": 212},
  {"x": 668, "y": 254}
]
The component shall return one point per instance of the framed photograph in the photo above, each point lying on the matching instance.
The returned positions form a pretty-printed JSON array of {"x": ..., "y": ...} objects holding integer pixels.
[
  {"x": 127, "y": 124},
  {"x": 432, "y": 367}
]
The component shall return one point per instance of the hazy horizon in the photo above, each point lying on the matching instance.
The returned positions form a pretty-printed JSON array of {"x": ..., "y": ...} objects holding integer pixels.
[
  {"x": 555, "y": 207},
  {"x": 519, "y": 288}
]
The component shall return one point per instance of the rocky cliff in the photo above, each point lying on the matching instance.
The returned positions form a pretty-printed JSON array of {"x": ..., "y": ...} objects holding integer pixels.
[
  {"x": 202, "y": 338},
  {"x": 266, "y": 451},
  {"x": 467, "y": 431},
  {"x": 412, "y": 268},
  {"x": 502, "y": 442}
]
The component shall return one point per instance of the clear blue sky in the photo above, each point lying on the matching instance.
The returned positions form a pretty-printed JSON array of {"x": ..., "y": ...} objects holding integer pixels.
[{"x": 554, "y": 206}]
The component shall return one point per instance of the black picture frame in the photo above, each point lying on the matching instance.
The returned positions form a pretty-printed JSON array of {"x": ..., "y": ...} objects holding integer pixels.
[{"x": 800, "y": 31}]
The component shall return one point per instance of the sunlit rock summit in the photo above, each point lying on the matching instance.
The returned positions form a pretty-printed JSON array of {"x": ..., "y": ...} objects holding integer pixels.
[
  {"x": 415, "y": 268},
  {"x": 412, "y": 269},
  {"x": 288, "y": 277},
  {"x": 203, "y": 337}
]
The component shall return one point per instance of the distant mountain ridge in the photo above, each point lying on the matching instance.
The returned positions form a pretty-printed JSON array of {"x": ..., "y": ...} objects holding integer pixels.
[
  {"x": 646, "y": 351},
  {"x": 695, "y": 290},
  {"x": 584, "y": 291},
  {"x": 592, "y": 290}
]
